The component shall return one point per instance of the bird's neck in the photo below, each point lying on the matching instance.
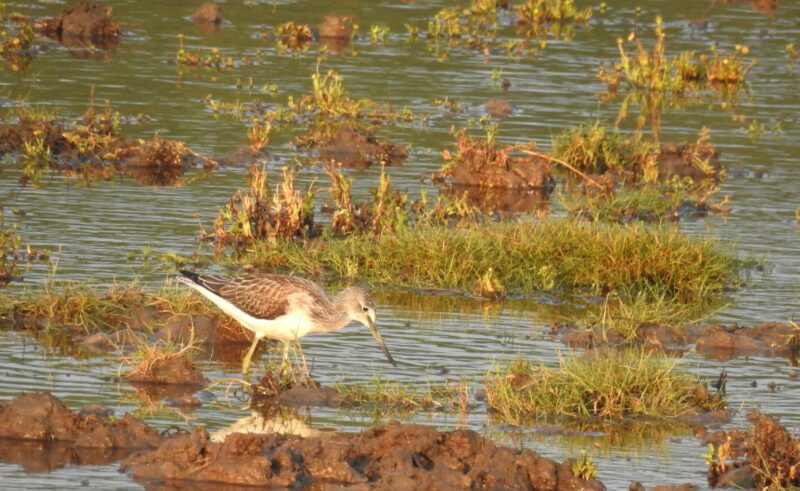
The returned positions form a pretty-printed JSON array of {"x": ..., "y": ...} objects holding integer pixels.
[{"x": 334, "y": 317}]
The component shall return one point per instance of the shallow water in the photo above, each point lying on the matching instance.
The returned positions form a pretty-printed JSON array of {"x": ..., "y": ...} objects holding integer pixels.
[{"x": 95, "y": 228}]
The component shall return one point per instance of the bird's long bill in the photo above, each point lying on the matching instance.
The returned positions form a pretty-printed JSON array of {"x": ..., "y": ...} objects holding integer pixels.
[{"x": 374, "y": 330}]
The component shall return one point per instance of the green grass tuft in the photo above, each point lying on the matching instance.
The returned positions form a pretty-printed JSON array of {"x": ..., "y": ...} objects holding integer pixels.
[{"x": 605, "y": 386}]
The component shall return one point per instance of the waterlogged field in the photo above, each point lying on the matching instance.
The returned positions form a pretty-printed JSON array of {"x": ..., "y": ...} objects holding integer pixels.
[{"x": 638, "y": 237}]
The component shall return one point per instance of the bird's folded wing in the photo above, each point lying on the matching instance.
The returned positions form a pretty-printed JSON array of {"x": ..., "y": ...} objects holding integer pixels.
[{"x": 259, "y": 296}]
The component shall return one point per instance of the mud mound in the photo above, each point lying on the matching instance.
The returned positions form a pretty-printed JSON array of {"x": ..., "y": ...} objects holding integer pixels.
[
  {"x": 710, "y": 340},
  {"x": 41, "y": 417},
  {"x": 208, "y": 13},
  {"x": 390, "y": 457},
  {"x": 336, "y": 26},
  {"x": 766, "y": 456},
  {"x": 359, "y": 148},
  {"x": 498, "y": 108},
  {"x": 84, "y": 22},
  {"x": 515, "y": 173},
  {"x": 171, "y": 369},
  {"x": 682, "y": 160}
]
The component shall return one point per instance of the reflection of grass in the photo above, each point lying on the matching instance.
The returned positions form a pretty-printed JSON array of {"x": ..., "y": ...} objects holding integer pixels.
[
  {"x": 609, "y": 385},
  {"x": 552, "y": 254}
]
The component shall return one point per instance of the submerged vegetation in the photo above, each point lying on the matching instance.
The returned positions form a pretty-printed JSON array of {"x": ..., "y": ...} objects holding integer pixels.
[
  {"x": 392, "y": 397},
  {"x": 600, "y": 386}
]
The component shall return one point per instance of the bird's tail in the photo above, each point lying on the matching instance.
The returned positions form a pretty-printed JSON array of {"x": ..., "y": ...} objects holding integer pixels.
[{"x": 194, "y": 277}]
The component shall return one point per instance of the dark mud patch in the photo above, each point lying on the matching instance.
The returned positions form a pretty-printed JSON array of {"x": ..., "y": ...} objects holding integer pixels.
[
  {"x": 498, "y": 108},
  {"x": 93, "y": 150},
  {"x": 710, "y": 340},
  {"x": 41, "y": 417},
  {"x": 82, "y": 24},
  {"x": 336, "y": 27},
  {"x": 208, "y": 17},
  {"x": 502, "y": 200},
  {"x": 682, "y": 160},
  {"x": 765, "y": 456},
  {"x": 357, "y": 148},
  {"x": 481, "y": 163},
  {"x": 389, "y": 457},
  {"x": 169, "y": 369}
]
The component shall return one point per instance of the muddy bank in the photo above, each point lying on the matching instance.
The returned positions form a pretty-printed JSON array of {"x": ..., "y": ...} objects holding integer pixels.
[
  {"x": 169, "y": 369},
  {"x": 92, "y": 149},
  {"x": 711, "y": 340},
  {"x": 40, "y": 417},
  {"x": 765, "y": 456},
  {"x": 82, "y": 24},
  {"x": 389, "y": 457},
  {"x": 356, "y": 148}
]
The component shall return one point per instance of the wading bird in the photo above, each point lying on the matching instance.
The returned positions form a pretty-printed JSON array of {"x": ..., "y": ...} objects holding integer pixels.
[{"x": 285, "y": 308}]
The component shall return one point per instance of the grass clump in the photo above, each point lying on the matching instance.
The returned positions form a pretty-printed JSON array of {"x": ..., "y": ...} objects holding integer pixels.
[
  {"x": 119, "y": 306},
  {"x": 549, "y": 254},
  {"x": 596, "y": 149},
  {"x": 604, "y": 386}
]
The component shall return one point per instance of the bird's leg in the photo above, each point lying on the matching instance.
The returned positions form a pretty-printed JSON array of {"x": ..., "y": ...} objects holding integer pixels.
[{"x": 246, "y": 362}]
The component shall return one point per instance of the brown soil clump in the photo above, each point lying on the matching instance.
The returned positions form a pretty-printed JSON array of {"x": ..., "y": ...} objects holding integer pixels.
[
  {"x": 336, "y": 26},
  {"x": 766, "y": 456},
  {"x": 389, "y": 457},
  {"x": 41, "y": 417},
  {"x": 710, "y": 340},
  {"x": 174, "y": 368},
  {"x": 682, "y": 160},
  {"x": 82, "y": 23},
  {"x": 359, "y": 148},
  {"x": 481, "y": 163},
  {"x": 208, "y": 13},
  {"x": 498, "y": 108}
]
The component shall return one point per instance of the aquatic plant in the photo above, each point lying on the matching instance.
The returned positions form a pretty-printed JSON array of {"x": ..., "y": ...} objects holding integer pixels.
[
  {"x": 653, "y": 70},
  {"x": 597, "y": 149},
  {"x": 258, "y": 214},
  {"x": 604, "y": 386},
  {"x": 293, "y": 35},
  {"x": 549, "y": 11}
]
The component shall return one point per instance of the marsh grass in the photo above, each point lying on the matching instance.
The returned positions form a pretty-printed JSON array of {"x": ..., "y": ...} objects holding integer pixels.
[
  {"x": 94, "y": 310},
  {"x": 388, "y": 396},
  {"x": 648, "y": 203},
  {"x": 147, "y": 354},
  {"x": 597, "y": 149},
  {"x": 627, "y": 314},
  {"x": 524, "y": 256},
  {"x": 604, "y": 386}
]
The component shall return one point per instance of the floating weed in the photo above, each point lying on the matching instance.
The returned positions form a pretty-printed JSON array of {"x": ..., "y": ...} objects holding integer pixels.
[
  {"x": 13, "y": 251},
  {"x": 602, "y": 386},
  {"x": 378, "y": 33},
  {"x": 294, "y": 36}
]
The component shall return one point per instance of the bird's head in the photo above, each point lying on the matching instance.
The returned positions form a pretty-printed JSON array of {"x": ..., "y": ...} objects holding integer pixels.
[{"x": 360, "y": 305}]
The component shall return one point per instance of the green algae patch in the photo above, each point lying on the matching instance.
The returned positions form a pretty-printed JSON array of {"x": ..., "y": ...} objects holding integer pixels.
[
  {"x": 524, "y": 256},
  {"x": 605, "y": 386}
]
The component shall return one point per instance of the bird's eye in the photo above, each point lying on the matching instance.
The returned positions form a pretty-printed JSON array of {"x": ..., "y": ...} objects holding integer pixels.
[{"x": 365, "y": 309}]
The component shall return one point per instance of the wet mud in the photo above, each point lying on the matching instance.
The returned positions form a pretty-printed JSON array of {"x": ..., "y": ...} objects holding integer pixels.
[
  {"x": 82, "y": 24},
  {"x": 511, "y": 173},
  {"x": 710, "y": 340},
  {"x": 209, "y": 14},
  {"x": 358, "y": 148},
  {"x": 173, "y": 369},
  {"x": 394, "y": 456},
  {"x": 40, "y": 417},
  {"x": 336, "y": 27},
  {"x": 765, "y": 456}
]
